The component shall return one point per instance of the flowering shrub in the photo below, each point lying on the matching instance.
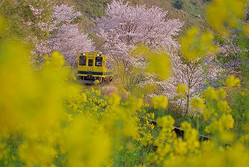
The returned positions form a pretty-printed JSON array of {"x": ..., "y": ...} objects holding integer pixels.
[{"x": 160, "y": 102}]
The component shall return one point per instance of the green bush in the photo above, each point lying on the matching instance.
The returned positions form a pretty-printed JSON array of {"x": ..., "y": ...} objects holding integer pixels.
[{"x": 178, "y": 4}]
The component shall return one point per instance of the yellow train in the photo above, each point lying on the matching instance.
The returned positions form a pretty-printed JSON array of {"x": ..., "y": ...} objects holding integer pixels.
[{"x": 92, "y": 67}]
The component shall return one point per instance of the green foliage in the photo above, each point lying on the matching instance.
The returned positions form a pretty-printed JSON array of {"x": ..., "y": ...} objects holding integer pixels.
[
  {"x": 132, "y": 153},
  {"x": 240, "y": 110},
  {"x": 178, "y": 4},
  {"x": 19, "y": 15},
  {"x": 92, "y": 8}
]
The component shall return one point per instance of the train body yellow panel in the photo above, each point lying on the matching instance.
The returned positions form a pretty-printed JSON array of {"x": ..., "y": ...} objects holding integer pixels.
[{"x": 92, "y": 66}]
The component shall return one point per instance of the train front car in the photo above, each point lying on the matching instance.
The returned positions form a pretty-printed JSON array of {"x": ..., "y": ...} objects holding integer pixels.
[{"x": 92, "y": 67}]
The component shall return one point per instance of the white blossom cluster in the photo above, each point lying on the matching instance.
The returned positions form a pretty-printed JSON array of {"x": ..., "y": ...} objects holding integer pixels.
[
  {"x": 195, "y": 75},
  {"x": 38, "y": 9},
  {"x": 40, "y": 23},
  {"x": 125, "y": 26},
  {"x": 66, "y": 37},
  {"x": 57, "y": 30},
  {"x": 63, "y": 14}
]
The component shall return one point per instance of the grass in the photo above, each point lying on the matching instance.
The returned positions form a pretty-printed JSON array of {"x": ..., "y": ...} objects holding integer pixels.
[{"x": 132, "y": 154}]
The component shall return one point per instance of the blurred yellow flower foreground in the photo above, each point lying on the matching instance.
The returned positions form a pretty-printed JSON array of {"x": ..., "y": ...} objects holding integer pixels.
[{"x": 45, "y": 120}]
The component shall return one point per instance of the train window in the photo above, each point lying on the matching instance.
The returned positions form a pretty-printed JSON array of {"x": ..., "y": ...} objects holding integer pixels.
[
  {"x": 82, "y": 60},
  {"x": 90, "y": 62},
  {"x": 98, "y": 61}
]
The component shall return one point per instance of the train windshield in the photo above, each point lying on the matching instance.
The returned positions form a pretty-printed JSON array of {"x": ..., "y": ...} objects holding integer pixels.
[
  {"x": 90, "y": 62},
  {"x": 82, "y": 60},
  {"x": 98, "y": 61}
]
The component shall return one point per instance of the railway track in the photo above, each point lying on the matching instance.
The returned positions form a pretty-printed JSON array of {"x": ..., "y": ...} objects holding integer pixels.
[{"x": 179, "y": 131}]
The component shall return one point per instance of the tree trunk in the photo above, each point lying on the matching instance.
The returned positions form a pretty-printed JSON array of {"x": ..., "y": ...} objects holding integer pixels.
[{"x": 188, "y": 101}]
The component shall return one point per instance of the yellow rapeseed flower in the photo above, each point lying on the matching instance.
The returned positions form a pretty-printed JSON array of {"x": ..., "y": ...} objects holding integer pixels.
[
  {"x": 221, "y": 93},
  {"x": 197, "y": 103},
  {"x": 181, "y": 89},
  {"x": 160, "y": 102},
  {"x": 210, "y": 94},
  {"x": 224, "y": 107},
  {"x": 195, "y": 45},
  {"x": 231, "y": 81},
  {"x": 228, "y": 16}
]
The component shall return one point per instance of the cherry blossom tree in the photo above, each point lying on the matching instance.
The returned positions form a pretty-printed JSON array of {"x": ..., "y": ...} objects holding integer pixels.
[
  {"x": 125, "y": 26},
  {"x": 194, "y": 66},
  {"x": 41, "y": 12},
  {"x": 66, "y": 37},
  {"x": 196, "y": 75}
]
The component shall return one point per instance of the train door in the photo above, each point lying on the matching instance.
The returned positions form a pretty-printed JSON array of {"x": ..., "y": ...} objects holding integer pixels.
[{"x": 90, "y": 64}]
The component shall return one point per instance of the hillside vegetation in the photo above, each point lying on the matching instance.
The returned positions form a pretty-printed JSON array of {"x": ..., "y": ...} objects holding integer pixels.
[{"x": 192, "y": 11}]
